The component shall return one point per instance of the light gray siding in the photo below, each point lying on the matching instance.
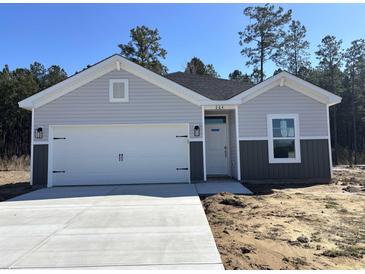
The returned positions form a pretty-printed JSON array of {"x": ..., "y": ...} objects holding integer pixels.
[
  {"x": 90, "y": 104},
  {"x": 252, "y": 115}
]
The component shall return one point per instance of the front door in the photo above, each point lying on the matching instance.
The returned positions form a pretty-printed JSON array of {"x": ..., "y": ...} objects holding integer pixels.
[{"x": 216, "y": 136}]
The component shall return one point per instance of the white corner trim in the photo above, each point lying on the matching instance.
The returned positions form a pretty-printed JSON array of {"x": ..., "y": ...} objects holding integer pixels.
[
  {"x": 126, "y": 91},
  {"x": 238, "y": 146},
  {"x": 329, "y": 141},
  {"x": 272, "y": 159},
  {"x": 203, "y": 134},
  {"x": 31, "y": 149}
]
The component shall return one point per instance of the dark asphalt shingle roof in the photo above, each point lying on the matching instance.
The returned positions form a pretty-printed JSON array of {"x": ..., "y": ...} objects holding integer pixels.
[{"x": 208, "y": 86}]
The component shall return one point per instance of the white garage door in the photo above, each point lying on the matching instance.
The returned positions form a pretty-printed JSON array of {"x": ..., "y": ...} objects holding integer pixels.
[{"x": 125, "y": 154}]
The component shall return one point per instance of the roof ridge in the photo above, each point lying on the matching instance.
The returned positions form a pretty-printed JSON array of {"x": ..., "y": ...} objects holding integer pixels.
[{"x": 204, "y": 76}]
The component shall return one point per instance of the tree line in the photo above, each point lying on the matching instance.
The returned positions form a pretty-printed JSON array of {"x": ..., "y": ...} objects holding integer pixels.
[
  {"x": 272, "y": 35},
  {"x": 16, "y": 85}
]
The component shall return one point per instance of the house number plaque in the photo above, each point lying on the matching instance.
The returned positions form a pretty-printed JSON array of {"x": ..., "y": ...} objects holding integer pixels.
[{"x": 219, "y": 107}]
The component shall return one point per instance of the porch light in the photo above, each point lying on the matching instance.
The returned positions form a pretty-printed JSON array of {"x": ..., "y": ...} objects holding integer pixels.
[
  {"x": 39, "y": 133},
  {"x": 196, "y": 131}
]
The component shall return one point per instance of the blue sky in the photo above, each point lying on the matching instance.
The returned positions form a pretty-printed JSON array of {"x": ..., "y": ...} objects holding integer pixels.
[{"x": 74, "y": 35}]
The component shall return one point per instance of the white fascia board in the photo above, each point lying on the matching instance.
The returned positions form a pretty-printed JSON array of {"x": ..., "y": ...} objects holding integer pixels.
[
  {"x": 70, "y": 84},
  {"x": 312, "y": 91},
  {"x": 162, "y": 82},
  {"x": 256, "y": 90},
  {"x": 96, "y": 71},
  {"x": 308, "y": 92},
  {"x": 332, "y": 98},
  {"x": 293, "y": 82}
]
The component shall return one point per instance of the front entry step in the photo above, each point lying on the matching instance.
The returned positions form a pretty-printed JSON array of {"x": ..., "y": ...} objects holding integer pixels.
[{"x": 211, "y": 188}]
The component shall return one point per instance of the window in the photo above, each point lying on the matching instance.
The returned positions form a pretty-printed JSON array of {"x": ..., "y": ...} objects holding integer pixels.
[
  {"x": 283, "y": 133},
  {"x": 215, "y": 120},
  {"x": 118, "y": 90}
]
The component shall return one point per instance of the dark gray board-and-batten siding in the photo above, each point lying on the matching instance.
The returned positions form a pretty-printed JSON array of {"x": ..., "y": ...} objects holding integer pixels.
[
  {"x": 40, "y": 165},
  {"x": 315, "y": 162},
  {"x": 196, "y": 161}
]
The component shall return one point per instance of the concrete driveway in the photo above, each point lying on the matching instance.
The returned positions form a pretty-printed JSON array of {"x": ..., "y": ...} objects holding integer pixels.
[{"x": 122, "y": 227}]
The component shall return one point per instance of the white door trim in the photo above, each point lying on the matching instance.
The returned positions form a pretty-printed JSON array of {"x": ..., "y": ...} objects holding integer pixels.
[
  {"x": 203, "y": 135},
  {"x": 238, "y": 146},
  {"x": 188, "y": 148},
  {"x": 229, "y": 173},
  {"x": 50, "y": 156},
  {"x": 329, "y": 139},
  {"x": 31, "y": 148}
]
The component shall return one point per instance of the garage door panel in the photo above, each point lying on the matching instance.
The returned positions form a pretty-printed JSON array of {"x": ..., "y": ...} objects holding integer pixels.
[
  {"x": 136, "y": 166},
  {"x": 90, "y": 155}
]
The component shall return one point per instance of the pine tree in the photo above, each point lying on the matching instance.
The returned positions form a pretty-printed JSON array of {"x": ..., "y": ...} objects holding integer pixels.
[
  {"x": 355, "y": 59},
  {"x": 293, "y": 54},
  {"x": 145, "y": 49},
  {"x": 330, "y": 56},
  {"x": 262, "y": 38}
]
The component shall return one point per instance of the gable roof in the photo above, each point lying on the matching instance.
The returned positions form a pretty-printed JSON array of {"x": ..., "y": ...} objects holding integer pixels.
[
  {"x": 208, "y": 86},
  {"x": 289, "y": 80},
  {"x": 197, "y": 89},
  {"x": 114, "y": 62}
]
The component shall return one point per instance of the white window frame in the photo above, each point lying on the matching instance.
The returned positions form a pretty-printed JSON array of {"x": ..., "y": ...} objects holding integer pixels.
[
  {"x": 273, "y": 160},
  {"x": 126, "y": 93}
]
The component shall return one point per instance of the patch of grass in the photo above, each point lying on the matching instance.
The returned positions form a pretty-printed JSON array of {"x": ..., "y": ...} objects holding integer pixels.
[
  {"x": 331, "y": 203},
  {"x": 315, "y": 237},
  {"x": 232, "y": 202},
  {"x": 15, "y": 163},
  {"x": 303, "y": 239},
  {"x": 348, "y": 251},
  {"x": 295, "y": 261}
]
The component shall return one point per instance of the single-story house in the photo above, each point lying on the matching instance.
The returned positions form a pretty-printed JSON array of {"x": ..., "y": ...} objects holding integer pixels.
[{"x": 119, "y": 123}]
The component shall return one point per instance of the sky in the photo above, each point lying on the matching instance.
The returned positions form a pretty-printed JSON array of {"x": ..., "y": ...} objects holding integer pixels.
[{"x": 75, "y": 35}]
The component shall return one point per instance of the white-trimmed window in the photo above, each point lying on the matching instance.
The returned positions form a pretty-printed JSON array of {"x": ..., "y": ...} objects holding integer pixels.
[
  {"x": 118, "y": 90},
  {"x": 283, "y": 135}
]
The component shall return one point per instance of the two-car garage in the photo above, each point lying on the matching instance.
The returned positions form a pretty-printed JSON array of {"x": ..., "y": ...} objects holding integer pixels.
[{"x": 118, "y": 154}]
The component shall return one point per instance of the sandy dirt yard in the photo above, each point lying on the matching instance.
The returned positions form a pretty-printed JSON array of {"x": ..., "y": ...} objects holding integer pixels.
[
  {"x": 13, "y": 183},
  {"x": 296, "y": 227}
]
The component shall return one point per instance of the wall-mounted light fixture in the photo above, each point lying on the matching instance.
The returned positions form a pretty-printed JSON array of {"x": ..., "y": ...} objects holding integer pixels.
[
  {"x": 39, "y": 133},
  {"x": 196, "y": 131}
]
